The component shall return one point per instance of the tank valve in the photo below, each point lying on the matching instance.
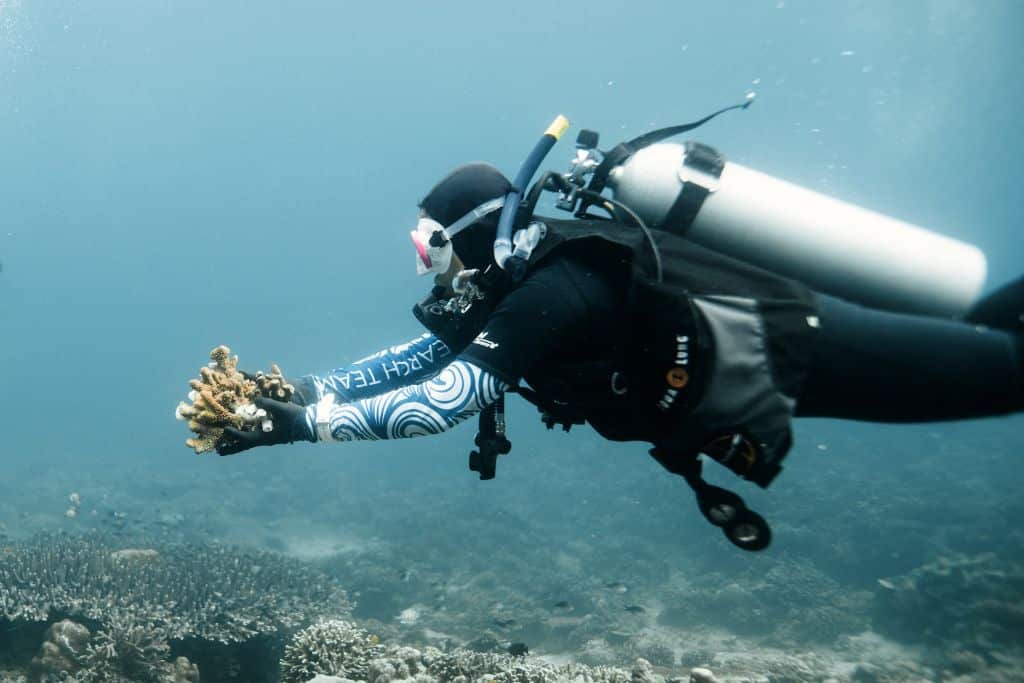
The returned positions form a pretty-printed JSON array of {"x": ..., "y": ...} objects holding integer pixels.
[{"x": 587, "y": 159}]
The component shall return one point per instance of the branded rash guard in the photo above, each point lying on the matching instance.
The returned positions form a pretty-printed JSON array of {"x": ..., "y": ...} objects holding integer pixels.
[{"x": 567, "y": 310}]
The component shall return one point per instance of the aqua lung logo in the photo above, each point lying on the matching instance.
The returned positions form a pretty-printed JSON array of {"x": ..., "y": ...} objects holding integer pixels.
[
  {"x": 483, "y": 341},
  {"x": 678, "y": 376}
]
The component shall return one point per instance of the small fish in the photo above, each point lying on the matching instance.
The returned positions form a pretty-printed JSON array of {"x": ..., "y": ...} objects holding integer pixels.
[
  {"x": 518, "y": 649},
  {"x": 504, "y": 623},
  {"x": 563, "y": 605},
  {"x": 616, "y": 586},
  {"x": 634, "y": 609}
]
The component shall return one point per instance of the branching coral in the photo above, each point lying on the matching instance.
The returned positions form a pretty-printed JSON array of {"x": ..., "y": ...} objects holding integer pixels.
[
  {"x": 333, "y": 647},
  {"x": 274, "y": 384},
  {"x": 339, "y": 648},
  {"x": 126, "y": 650},
  {"x": 121, "y": 651},
  {"x": 222, "y": 397},
  {"x": 478, "y": 666},
  {"x": 205, "y": 591}
]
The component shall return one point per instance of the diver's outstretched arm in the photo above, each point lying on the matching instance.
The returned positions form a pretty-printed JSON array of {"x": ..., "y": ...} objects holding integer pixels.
[
  {"x": 384, "y": 371},
  {"x": 459, "y": 391}
]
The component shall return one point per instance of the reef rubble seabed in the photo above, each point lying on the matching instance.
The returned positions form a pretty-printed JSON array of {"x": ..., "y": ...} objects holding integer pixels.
[
  {"x": 875, "y": 592},
  {"x": 85, "y": 609}
]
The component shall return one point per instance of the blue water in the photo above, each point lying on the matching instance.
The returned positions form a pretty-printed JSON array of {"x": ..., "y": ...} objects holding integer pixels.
[{"x": 174, "y": 176}]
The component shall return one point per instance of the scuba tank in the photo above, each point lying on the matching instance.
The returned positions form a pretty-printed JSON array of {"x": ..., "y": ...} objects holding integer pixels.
[{"x": 827, "y": 244}]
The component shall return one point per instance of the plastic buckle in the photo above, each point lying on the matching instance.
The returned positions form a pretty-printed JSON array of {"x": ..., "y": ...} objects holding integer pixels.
[{"x": 324, "y": 407}]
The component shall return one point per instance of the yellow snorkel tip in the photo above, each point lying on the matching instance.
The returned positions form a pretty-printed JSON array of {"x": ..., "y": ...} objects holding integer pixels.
[{"x": 557, "y": 127}]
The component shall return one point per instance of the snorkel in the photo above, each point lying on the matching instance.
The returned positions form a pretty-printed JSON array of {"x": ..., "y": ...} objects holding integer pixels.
[{"x": 514, "y": 263}]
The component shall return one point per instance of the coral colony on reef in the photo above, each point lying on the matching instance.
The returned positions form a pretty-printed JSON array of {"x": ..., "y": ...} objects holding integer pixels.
[
  {"x": 213, "y": 592},
  {"x": 222, "y": 397},
  {"x": 141, "y": 603},
  {"x": 333, "y": 651}
]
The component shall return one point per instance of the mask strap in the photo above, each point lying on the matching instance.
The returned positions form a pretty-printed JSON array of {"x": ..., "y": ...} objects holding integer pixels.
[{"x": 488, "y": 207}]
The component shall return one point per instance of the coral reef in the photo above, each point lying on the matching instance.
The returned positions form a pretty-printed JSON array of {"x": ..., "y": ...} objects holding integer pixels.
[
  {"x": 126, "y": 650},
  {"x": 211, "y": 592},
  {"x": 342, "y": 649},
  {"x": 183, "y": 671},
  {"x": 954, "y": 602},
  {"x": 223, "y": 396},
  {"x": 121, "y": 651},
  {"x": 406, "y": 664},
  {"x": 332, "y": 647},
  {"x": 785, "y": 600}
]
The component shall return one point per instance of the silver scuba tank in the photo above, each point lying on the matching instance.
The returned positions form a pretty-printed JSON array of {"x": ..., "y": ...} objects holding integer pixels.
[{"x": 829, "y": 245}]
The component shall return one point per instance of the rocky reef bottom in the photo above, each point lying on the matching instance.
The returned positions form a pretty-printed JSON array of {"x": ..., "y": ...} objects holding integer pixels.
[
  {"x": 337, "y": 651},
  {"x": 388, "y": 567},
  {"x": 84, "y": 608}
]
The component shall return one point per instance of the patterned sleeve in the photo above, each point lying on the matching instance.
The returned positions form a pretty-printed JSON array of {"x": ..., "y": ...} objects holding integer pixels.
[
  {"x": 457, "y": 392},
  {"x": 387, "y": 370}
]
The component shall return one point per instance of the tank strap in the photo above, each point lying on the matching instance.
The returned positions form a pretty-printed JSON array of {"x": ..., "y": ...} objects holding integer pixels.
[
  {"x": 684, "y": 209},
  {"x": 624, "y": 150}
]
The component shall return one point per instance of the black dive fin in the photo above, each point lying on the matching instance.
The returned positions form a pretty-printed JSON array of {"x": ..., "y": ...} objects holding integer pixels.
[{"x": 1003, "y": 309}]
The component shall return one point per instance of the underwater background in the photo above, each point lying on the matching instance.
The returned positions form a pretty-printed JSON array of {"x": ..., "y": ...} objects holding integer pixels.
[{"x": 178, "y": 175}]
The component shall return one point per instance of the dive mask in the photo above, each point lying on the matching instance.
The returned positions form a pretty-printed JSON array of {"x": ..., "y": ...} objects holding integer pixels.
[
  {"x": 433, "y": 241},
  {"x": 433, "y": 247}
]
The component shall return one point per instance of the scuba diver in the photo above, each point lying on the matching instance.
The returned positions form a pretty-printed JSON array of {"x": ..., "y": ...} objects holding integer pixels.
[{"x": 700, "y": 312}]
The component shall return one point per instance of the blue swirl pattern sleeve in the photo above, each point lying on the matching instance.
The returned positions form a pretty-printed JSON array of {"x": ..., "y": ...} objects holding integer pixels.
[
  {"x": 387, "y": 370},
  {"x": 456, "y": 393}
]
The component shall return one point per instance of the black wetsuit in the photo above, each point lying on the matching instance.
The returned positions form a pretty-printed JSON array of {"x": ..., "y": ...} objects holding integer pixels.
[
  {"x": 866, "y": 365},
  {"x": 888, "y": 367}
]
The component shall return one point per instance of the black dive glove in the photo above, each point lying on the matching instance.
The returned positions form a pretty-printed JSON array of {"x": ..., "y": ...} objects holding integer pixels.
[
  {"x": 305, "y": 391},
  {"x": 289, "y": 422}
]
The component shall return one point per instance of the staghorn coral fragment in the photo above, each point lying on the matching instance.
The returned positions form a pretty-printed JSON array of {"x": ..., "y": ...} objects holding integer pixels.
[
  {"x": 221, "y": 356},
  {"x": 223, "y": 397},
  {"x": 204, "y": 443},
  {"x": 213, "y": 411},
  {"x": 274, "y": 385},
  {"x": 200, "y": 428},
  {"x": 184, "y": 411}
]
